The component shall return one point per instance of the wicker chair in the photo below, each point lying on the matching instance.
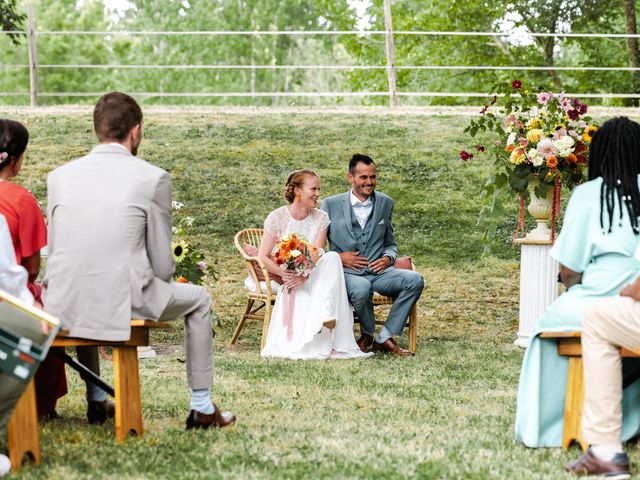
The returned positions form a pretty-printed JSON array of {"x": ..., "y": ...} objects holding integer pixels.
[{"x": 260, "y": 302}]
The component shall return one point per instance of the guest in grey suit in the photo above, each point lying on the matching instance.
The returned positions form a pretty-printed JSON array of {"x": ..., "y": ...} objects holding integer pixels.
[
  {"x": 110, "y": 253},
  {"x": 362, "y": 233}
]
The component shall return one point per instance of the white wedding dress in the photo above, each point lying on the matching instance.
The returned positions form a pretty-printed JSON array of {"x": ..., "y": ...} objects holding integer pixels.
[{"x": 322, "y": 297}]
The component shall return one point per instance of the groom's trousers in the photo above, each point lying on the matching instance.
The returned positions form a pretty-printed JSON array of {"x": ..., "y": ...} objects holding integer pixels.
[{"x": 405, "y": 286}]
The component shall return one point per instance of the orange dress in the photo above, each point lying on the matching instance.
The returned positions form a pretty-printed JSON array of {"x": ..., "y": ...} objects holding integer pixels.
[{"x": 29, "y": 235}]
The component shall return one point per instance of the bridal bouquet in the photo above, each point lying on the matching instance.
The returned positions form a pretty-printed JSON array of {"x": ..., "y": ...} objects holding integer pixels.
[
  {"x": 294, "y": 254},
  {"x": 540, "y": 142}
]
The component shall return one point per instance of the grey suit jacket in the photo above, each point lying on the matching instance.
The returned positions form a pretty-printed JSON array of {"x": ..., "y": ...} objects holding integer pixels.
[
  {"x": 109, "y": 243},
  {"x": 342, "y": 238}
]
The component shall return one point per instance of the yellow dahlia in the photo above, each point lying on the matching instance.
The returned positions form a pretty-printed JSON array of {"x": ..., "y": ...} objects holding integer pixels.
[{"x": 534, "y": 135}]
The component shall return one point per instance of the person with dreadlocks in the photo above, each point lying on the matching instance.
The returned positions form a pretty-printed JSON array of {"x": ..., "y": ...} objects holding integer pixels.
[{"x": 596, "y": 251}]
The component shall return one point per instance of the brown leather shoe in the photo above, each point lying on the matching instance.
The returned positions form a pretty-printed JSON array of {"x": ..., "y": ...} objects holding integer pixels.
[
  {"x": 589, "y": 464},
  {"x": 365, "y": 341},
  {"x": 391, "y": 346},
  {"x": 99, "y": 412},
  {"x": 205, "y": 420},
  {"x": 330, "y": 324}
]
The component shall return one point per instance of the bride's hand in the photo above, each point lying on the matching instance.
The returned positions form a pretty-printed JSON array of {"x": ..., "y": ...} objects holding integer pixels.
[{"x": 293, "y": 280}]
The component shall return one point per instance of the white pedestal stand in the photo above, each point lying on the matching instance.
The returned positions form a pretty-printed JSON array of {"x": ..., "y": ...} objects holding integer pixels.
[{"x": 538, "y": 284}]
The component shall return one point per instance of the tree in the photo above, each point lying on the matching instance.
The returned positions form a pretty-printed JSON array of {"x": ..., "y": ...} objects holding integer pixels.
[{"x": 11, "y": 20}]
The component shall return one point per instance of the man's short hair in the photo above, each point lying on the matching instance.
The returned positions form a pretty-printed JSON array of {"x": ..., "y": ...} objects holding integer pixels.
[
  {"x": 359, "y": 158},
  {"x": 115, "y": 115}
]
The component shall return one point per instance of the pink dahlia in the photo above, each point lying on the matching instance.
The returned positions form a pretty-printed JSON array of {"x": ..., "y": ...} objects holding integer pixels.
[{"x": 545, "y": 148}]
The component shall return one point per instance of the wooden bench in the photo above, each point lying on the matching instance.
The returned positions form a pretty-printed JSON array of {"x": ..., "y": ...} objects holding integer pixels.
[
  {"x": 569, "y": 345},
  {"x": 23, "y": 425}
]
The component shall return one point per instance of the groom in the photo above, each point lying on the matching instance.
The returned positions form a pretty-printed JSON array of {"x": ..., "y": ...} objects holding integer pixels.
[{"x": 362, "y": 233}]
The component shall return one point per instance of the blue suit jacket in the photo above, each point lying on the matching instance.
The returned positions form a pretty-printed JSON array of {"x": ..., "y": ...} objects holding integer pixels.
[{"x": 342, "y": 238}]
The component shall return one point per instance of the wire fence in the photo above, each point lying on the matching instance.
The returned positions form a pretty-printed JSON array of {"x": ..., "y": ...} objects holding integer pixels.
[{"x": 390, "y": 66}]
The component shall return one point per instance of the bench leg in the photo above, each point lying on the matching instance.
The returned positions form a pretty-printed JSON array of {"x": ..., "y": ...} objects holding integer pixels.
[
  {"x": 127, "y": 389},
  {"x": 573, "y": 404},
  {"x": 23, "y": 429}
]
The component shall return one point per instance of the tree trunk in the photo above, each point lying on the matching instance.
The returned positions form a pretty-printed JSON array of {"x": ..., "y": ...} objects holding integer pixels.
[
  {"x": 548, "y": 44},
  {"x": 631, "y": 28}
]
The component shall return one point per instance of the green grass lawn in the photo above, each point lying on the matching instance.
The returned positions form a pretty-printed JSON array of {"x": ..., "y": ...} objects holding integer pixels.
[{"x": 447, "y": 413}]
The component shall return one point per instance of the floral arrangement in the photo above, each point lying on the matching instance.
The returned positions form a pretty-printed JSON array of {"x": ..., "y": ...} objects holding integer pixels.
[
  {"x": 294, "y": 254},
  {"x": 190, "y": 264},
  {"x": 541, "y": 142}
]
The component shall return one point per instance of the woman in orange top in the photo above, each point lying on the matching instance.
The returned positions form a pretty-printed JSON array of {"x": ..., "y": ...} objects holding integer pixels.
[{"x": 29, "y": 234}]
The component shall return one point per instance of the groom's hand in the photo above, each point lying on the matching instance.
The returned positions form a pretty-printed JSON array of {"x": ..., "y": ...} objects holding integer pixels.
[
  {"x": 353, "y": 260},
  {"x": 380, "y": 264}
]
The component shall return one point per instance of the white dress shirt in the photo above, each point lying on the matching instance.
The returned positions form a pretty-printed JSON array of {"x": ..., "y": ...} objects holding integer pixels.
[
  {"x": 362, "y": 210},
  {"x": 13, "y": 277}
]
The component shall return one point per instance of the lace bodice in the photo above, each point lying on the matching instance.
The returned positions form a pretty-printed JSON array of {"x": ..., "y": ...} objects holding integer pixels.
[{"x": 280, "y": 223}]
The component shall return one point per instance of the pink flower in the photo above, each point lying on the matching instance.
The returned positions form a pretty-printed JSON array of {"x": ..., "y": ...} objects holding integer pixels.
[
  {"x": 561, "y": 132},
  {"x": 545, "y": 148},
  {"x": 544, "y": 97},
  {"x": 565, "y": 103},
  {"x": 464, "y": 156},
  {"x": 510, "y": 120},
  {"x": 3, "y": 155},
  {"x": 523, "y": 142}
]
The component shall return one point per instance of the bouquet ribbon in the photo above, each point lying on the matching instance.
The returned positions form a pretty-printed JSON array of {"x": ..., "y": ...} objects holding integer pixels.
[{"x": 289, "y": 307}]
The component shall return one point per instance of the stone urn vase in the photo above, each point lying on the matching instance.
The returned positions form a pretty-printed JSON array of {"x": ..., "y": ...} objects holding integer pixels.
[{"x": 540, "y": 209}]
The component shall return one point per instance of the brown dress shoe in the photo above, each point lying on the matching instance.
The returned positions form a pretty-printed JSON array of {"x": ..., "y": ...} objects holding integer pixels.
[
  {"x": 589, "y": 464},
  {"x": 205, "y": 420},
  {"x": 365, "y": 341},
  {"x": 391, "y": 346},
  {"x": 99, "y": 412}
]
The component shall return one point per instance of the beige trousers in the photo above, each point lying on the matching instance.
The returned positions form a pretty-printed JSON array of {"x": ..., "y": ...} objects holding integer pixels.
[
  {"x": 194, "y": 304},
  {"x": 608, "y": 324}
]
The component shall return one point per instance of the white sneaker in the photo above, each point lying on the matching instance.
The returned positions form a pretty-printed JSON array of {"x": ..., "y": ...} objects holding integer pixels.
[
  {"x": 5, "y": 465},
  {"x": 146, "y": 352}
]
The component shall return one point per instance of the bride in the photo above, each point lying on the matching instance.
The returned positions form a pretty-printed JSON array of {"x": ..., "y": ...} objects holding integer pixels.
[{"x": 311, "y": 318}]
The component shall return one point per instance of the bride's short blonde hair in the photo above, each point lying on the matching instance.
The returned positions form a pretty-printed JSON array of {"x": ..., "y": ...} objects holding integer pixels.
[{"x": 296, "y": 179}]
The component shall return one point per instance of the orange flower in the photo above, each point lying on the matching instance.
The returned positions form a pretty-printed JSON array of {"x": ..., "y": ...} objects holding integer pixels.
[
  {"x": 552, "y": 161},
  {"x": 509, "y": 148},
  {"x": 182, "y": 280},
  {"x": 571, "y": 158}
]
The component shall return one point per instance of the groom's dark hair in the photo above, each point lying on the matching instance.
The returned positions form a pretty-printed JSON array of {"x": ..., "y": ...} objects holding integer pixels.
[
  {"x": 359, "y": 158},
  {"x": 115, "y": 115}
]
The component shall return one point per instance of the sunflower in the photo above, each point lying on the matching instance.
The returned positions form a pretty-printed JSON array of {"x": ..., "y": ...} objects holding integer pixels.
[
  {"x": 589, "y": 132},
  {"x": 534, "y": 123},
  {"x": 180, "y": 250}
]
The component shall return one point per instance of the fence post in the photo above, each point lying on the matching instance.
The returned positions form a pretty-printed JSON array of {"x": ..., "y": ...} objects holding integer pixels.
[
  {"x": 33, "y": 55},
  {"x": 391, "y": 68}
]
